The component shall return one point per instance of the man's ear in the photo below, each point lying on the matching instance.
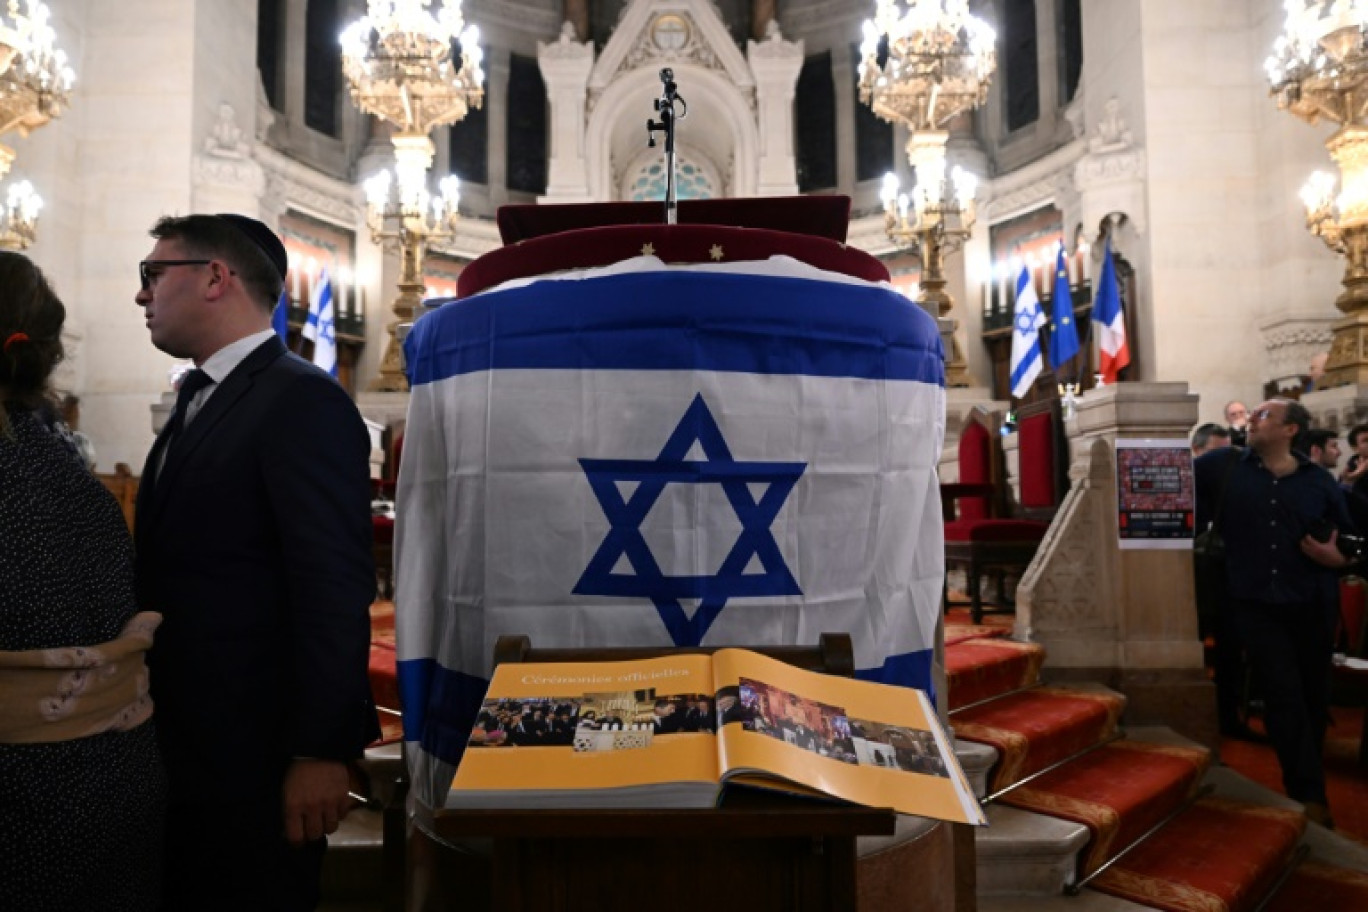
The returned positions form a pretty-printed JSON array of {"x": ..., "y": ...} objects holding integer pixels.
[{"x": 219, "y": 277}]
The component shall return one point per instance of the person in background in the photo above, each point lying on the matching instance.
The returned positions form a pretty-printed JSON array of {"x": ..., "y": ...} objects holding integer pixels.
[
  {"x": 82, "y": 790},
  {"x": 1281, "y": 517},
  {"x": 254, "y": 540},
  {"x": 1237, "y": 418},
  {"x": 1357, "y": 466},
  {"x": 1322, "y": 448},
  {"x": 1208, "y": 437}
]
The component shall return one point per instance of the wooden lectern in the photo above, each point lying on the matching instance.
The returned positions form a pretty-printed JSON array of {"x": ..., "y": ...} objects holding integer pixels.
[{"x": 757, "y": 851}]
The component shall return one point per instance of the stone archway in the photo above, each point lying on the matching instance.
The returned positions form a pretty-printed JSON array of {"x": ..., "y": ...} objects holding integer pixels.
[{"x": 720, "y": 124}]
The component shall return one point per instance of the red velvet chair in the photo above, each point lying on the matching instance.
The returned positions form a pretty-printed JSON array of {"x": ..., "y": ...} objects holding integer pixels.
[{"x": 981, "y": 533}]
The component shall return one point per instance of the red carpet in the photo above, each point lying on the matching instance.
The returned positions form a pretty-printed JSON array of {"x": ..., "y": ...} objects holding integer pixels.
[
  {"x": 978, "y": 669},
  {"x": 1321, "y": 888},
  {"x": 1346, "y": 781},
  {"x": 1217, "y": 856},
  {"x": 1118, "y": 792},
  {"x": 1036, "y": 728}
]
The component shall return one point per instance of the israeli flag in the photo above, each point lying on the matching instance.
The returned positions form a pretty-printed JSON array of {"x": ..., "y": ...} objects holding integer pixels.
[
  {"x": 321, "y": 325},
  {"x": 1028, "y": 317},
  {"x": 644, "y": 455}
]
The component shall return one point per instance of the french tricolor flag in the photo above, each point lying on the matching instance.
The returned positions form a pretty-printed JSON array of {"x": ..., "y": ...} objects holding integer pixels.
[{"x": 1109, "y": 322}]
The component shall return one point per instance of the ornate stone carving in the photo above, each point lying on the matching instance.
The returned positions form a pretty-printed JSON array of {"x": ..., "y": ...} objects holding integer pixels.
[
  {"x": 218, "y": 171},
  {"x": 1067, "y": 588},
  {"x": 1290, "y": 342},
  {"x": 1112, "y": 133},
  {"x": 774, "y": 47},
  {"x": 225, "y": 136},
  {"x": 1111, "y": 177},
  {"x": 566, "y": 47},
  {"x": 297, "y": 186},
  {"x": 1031, "y": 187},
  {"x": 651, "y": 49}
]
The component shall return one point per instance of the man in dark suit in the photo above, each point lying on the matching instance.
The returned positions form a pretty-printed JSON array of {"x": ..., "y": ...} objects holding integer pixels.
[{"x": 254, "y": 541}]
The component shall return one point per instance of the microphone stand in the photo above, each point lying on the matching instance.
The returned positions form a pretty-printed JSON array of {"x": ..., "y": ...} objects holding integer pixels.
[{"x": 665, "y": 107}]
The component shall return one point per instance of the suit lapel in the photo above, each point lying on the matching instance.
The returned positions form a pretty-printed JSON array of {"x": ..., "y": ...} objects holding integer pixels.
[{"x": 224, "y": 397}]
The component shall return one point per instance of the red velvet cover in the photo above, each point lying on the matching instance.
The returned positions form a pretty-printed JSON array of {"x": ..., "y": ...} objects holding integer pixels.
[
  {"x": 975, "y": 451},
  {"x": 819, "y": 216},
  {"x": 1037, "y": 460},
  {"x": 589, "y": 247},
  {"x": 996, "y": 530}
]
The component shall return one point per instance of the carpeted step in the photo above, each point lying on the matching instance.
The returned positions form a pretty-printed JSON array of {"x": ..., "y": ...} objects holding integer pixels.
[
  {"x": 1035, "y": 728},
  {"x": 1321, "y": 887},
  {"x": 1118, "y": 791},
  {"x": 1217, "y": 856},
  {"x": 978, "y": 669},
  {"x": 959, "y": 633}
]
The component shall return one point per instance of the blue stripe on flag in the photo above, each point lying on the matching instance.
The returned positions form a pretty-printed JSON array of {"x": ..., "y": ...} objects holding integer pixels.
[
  {"x": 697, "y": 321},
  {"x": 910, "y": 669},
  {"x": 1029, "y": 363},
  {"x": 440, "y": 706}
]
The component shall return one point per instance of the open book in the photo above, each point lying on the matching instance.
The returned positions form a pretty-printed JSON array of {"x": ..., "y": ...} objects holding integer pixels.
[{"x": 673, "y": 732}]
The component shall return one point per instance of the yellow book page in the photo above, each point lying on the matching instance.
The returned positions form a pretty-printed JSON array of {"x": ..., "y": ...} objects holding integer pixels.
[
  {"x": 601, "y": 725},
  {"x": 872, "y": 744}
]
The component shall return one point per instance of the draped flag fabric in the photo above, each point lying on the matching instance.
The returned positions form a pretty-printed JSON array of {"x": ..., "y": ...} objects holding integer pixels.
[
  {"x": 1063, "y": 332},
  {"x": 651, "y": 455},
  {"x": 1109, "y": 322},
  {"x": 280, "y": 317},
  {"x": 1028, "y": 317},
  {"x": 321, "y": 325}
]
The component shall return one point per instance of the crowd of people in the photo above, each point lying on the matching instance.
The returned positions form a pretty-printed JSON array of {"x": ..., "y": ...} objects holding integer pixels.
[
  {"x": 1267, "y": 483},
  {"x": 183, "y": 713}
]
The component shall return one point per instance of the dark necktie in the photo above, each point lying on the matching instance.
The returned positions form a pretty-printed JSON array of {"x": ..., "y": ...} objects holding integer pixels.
[{"x": 193, "y": 382}]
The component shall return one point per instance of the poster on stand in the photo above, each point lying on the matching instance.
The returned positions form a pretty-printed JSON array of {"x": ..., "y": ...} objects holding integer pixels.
[{"x": 1155, "y": 502}]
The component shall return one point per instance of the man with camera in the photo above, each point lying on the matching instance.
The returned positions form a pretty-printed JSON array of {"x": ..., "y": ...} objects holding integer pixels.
[{"x": 1286, "y": 528}]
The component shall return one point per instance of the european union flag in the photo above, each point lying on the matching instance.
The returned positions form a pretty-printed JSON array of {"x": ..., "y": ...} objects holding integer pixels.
[{"x": 1063, "y": 332}]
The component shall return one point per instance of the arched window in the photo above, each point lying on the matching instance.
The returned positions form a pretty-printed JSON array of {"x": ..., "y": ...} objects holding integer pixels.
[{"x": 692, "y": 181}]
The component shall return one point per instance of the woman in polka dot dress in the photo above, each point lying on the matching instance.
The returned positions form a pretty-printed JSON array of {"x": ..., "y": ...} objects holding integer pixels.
[{"x": 82, "y": 791}]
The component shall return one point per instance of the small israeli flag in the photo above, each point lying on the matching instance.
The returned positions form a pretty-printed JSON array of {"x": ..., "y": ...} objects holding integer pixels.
[
  {"x": 1028, "y": 317},
  {"x": 321, "y": 324},
  {"x": 652, "y": 455}
]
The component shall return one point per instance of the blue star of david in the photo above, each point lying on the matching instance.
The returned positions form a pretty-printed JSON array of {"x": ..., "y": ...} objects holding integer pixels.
[
  {"x": 625, "y": 515},
  {"x": 327, "y": 332},
  {"x": 1025, "y": 323}
]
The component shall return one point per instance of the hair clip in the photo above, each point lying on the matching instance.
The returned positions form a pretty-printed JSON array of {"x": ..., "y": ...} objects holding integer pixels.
[{"x": 15, "y": 337}]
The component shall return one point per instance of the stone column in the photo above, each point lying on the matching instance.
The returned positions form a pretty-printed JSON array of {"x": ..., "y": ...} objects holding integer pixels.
[
  {"x": 496, "y": 107},
  {"x": 565, "y": 66},
  {"x": 1127, "y": 618},
  {"x": 843, "y": 73},
  {"x": 776, "y": 64},
  {"x": 292, "y": 52}
]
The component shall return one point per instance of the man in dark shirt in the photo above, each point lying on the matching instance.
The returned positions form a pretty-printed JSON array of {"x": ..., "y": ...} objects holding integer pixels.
[{"x": 1280, "y": 517}]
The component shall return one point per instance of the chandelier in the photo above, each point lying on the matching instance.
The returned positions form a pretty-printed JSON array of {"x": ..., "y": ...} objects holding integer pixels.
[
  {"x": 401, "y": 64},
  {"x": 1319, "y": 71},
  {"x": 928, "y": 65},
  {"x": 35, "y": 84},
  {"x": 924, "y": 67}
]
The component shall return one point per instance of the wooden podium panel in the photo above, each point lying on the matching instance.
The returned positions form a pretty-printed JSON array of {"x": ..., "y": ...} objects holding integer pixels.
[{"x": 757, "y": 852}]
